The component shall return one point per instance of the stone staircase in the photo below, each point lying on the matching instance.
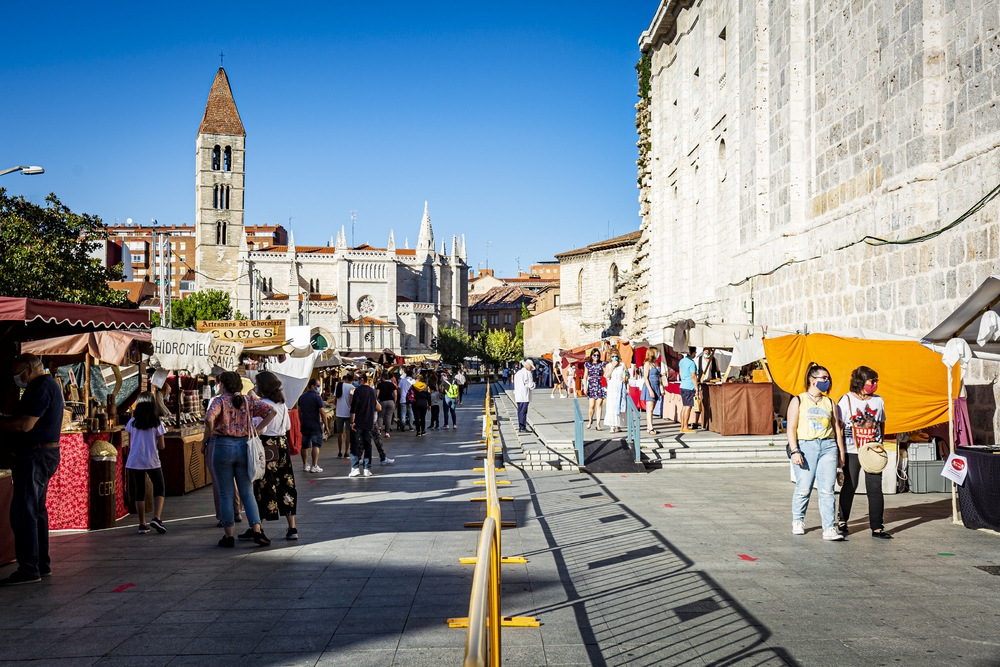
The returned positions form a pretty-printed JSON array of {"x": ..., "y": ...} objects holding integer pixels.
[
  {"x": 526, "y": 450},
  {"x": 708, "y": 450}
]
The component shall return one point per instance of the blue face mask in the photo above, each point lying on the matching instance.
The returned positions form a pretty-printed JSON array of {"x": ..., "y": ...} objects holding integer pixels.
[{"x": 824, "y": 386}]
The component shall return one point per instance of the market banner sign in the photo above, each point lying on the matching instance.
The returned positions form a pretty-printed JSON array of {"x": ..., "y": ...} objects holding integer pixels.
[
  {"x": 251, "y": 333},
  {"x": 177, "y": 350},
  {"x": 224, "y": 354}
]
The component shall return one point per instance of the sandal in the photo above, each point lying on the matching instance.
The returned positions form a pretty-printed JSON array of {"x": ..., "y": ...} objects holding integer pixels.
[
  {"x": 589, "y": 425},
  {"x": 652, "y": 432}
]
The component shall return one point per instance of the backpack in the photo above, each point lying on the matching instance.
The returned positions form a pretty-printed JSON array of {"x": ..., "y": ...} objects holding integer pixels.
[
  {"x": 411, "y": 396},
  {"x": 451, "y": 391}
]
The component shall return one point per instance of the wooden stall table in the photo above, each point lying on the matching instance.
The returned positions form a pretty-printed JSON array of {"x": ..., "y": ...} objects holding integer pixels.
[
  {"x": 738, "y": 408},
  {"x": 6, "y": 534},
  {"x": 184, "y": 468}
]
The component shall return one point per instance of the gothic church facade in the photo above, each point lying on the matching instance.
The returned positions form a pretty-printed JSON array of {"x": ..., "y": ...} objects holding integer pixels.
[{"x": 360, "y": 298}]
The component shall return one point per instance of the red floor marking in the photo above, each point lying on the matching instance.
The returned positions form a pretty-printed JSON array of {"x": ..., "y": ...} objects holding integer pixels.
[
  {"x": 123, "y": 587},
  {"x": 745, "y": 557},
  {"x": 312, "y": 481},
  {"x": 624, "y": 476},
  {"x": 666, "y": 505}
]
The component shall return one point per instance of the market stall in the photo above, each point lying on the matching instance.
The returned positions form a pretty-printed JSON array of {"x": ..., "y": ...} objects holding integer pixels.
[
  {"x": 63, "y": 334},
  {"x": 972, "y": 330},
  {"x": 738, "y": 408}
]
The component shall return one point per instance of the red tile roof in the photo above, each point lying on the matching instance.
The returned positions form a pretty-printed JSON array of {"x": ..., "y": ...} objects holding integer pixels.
[
  {"x": 221, "y": 116},
  {"x": 625, "y": 239},
  {"x": 405, "y": 251},
  {"x": 301, "y": 249},
  {"x": 501, "y": 297}
]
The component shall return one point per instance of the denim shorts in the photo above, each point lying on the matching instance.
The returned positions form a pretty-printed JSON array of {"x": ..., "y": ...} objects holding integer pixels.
[
  {"x": 312, "y": 440},
  {"x": 687, "y": 398}
]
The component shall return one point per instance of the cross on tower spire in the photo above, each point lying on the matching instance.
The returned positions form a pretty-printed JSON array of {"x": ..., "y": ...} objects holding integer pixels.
[{"x": 222, "y": 58}]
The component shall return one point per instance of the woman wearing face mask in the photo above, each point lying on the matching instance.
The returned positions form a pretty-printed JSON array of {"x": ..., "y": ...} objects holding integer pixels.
[
  {"x": 617, "y": 394},
  {"x": 593, "y": 372},
  {"x": 815, "y": 437},
  {"x": 861, "y": 404}
]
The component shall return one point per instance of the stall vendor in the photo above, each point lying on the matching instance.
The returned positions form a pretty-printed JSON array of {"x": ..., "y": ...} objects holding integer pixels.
[{"x": 36, "y": 421}]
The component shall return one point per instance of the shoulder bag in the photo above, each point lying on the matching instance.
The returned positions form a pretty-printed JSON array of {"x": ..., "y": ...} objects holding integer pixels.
[
  {"x": 256, "y": 459},
  {"x": 871, "y": 455}
]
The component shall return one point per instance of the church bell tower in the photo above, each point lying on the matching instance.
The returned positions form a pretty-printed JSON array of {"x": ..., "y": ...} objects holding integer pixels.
[{"x": 219, "y": 178}]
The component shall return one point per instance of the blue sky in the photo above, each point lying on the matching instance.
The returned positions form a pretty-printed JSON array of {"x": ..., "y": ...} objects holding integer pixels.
[{"x": 515, "y": 119}]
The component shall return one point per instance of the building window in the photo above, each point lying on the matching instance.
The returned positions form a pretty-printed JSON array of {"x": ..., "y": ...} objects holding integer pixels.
[
  {"x": 317, "y": 286},
  {"x": 423, "y": 332},
  {"x": 507, "y": 318},
  {"x": 270, "y": 285},
  {"x": 555, "y": 300},
  {"x": 229, "y": 159},
  {"x": 220, "y": 233},
  {"x": 215, "y": 197},
  {"x": 227, "y": 198},
  {"x": 613, "y": 276},
  {"x": 495, "y": 319},
  {"x": 579, "y": 286},
  {"x": 216, "y": 156}
]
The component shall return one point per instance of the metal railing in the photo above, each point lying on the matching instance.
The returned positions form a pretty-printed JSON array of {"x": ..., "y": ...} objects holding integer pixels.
[
  {"x": 578, "y": 431},
  {"x": 482, "y": 639},
  {"x": 634, "y": 431}
]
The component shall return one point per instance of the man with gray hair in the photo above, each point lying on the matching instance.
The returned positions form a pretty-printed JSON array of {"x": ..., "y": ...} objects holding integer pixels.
[
  {"x": 35, "y": 425},
  {"x": 524, "y": 382}
]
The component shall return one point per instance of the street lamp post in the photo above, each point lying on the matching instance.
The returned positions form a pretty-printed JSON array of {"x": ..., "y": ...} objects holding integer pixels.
[{"x": 27, "y": 171}]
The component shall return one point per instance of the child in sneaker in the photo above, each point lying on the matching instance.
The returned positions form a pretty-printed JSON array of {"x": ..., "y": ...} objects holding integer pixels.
[
  {"x": 435, "y": 406},
  {"x": 145, "y": 432}
]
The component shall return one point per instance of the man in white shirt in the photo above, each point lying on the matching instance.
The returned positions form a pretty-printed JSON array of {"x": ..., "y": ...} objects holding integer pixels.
[
  {"x": 405, "y": 409},
  {"x": 524, "y": 382},
  {"x": 460, "y": 381}
]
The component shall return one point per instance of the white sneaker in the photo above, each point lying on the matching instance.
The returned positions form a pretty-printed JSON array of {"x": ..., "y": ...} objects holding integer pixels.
[
  {"x": 316, "y": 469},
  {"x": 388, "y": 462},
  {"x": 366, "y": 473},
  {"x": 832, "y": 534},
  {"x": 354, "y": 473},
  {"x": 306, "y": 468},
  {"x": 798, "y": 528}
]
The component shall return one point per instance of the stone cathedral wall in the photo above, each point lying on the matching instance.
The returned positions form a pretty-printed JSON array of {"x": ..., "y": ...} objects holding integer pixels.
[{"x": 843, "y": 120}]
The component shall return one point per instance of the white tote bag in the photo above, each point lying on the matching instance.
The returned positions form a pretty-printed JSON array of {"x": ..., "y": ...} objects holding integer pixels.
[{"x": 256, "y": 459}]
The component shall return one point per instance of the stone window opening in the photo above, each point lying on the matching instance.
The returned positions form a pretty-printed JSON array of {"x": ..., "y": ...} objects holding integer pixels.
[
  {"x": 722, "y": 159},
  {"x": 216, "y": 156},
  {"x": 270, "y": 285},
  {"x": 613, "y": 275},
  {"x": 423, "y": 332},
  {"x": 317, "y": 286},
  {"x": 579, "y": 286},
  {"x": 220, "y": 233},
  {"x": 228, "y": 162},
  {"x": 227, "y": 198},
  {"x": 215, "y": 197}
]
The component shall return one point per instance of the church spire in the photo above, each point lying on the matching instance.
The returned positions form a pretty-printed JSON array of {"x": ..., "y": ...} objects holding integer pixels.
[
  {"x": 342, "y": 239},
  {"x": 391, "y": 247},
  {"x": 425, "y": 241},
  {"x": 465, "y": 258},
  {"x": 291, "y": 242},
  {"x": 221, "y": 115}
]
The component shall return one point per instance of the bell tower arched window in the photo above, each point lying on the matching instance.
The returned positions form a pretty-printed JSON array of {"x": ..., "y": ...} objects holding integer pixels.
[
  {"x": 220, "y": 233},
  {"x": 215, "y": 197},
  {"x": 227, "y": 198},
  {"x": 216, "y": 158},
  {"x": 228, "y": 159},
  {"x": 270, "y": 284}
]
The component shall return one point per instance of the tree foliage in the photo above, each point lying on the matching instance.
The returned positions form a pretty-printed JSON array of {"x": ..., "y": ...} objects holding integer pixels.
[
  {"x": 499, "y": 346},
  {"x": 454, "y": 345},
  {"x": 205, "y": 305},
  {"x": 45, "y": 254}
]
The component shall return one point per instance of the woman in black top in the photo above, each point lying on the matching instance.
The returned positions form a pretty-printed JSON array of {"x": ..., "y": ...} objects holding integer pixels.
[{"x": 387, "y": 395}]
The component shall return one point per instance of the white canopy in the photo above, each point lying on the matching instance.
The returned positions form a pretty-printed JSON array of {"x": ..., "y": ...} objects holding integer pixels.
[{"x": 974, "y": 321}]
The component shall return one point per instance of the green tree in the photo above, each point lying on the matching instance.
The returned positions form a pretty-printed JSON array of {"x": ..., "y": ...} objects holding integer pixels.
[
  {"x": 454, "y": 344},
  {"x": 499, "y": 346},
  {"x": 205, "y": 305},
  {"x": 45, "y": 254}
]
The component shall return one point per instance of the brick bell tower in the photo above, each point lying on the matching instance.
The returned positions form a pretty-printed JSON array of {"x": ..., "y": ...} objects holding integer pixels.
[{"x": 219, "y": 178}]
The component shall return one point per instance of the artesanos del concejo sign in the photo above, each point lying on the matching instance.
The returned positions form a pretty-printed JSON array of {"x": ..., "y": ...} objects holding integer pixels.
[{"x": 251, "y": 333}]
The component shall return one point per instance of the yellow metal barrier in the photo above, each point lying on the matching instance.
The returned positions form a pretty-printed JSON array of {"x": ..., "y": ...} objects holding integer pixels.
[{"x": 482, "y": 640}]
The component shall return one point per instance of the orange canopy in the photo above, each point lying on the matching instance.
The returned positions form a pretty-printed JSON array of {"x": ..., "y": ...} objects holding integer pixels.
[{"x": 912, "y": 379}]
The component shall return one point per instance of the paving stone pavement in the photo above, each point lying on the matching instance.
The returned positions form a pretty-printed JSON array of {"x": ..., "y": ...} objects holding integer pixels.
[{"x": 615, "y": 576}]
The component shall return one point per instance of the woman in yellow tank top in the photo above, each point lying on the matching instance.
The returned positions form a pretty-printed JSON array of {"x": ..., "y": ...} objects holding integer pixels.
[{"x": 816, "y": 441}]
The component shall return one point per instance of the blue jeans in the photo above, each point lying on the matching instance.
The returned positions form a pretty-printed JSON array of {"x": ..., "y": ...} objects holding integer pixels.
[
  {"x": 449, "y": 408},
  {"x": 29, "y": 519},
  {"x": 820, "y": 464},
  {"x": 361, "y": 444},
  {"x": 229, "y": 459},
  {"x": 406, "y": 413}
]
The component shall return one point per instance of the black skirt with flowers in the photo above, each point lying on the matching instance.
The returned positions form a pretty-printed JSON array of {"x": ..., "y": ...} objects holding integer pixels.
[{"x": 275, "y": 491}]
